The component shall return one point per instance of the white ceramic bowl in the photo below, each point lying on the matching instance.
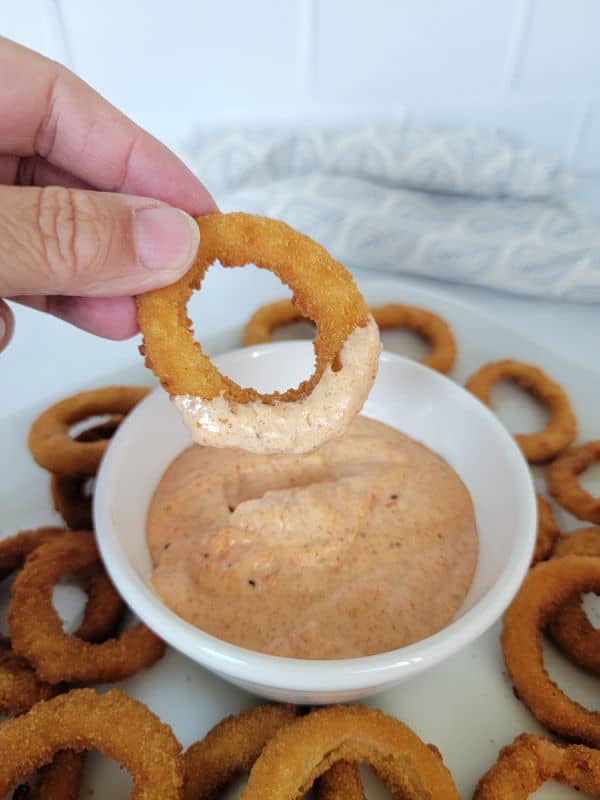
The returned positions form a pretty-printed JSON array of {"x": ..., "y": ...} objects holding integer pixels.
[{"x": 406, "y": 395}]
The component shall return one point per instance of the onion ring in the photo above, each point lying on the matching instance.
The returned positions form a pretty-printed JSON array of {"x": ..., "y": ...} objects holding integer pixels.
[
  {"x": 564, "y": 486},
  {"x": 303, "y": 750},
  {"x": 19, "y": 686},
  {"x": 561, "y": 427},
  {"x": 104, "y": 608},
  {"x": 431, "y": 327},
  {"x": 114, "y": 723},
  {"x": 60, "y": 780},
  {"x": 68, "y": 494},
  {"x": 36, "y": 629},
  {"x": 531, "y": 760},
  {"x": 341, "y": 782},
  {"x": 49, "y": 440},
  {"x": 214, "y": 406},
  {"x": 547, "y": 531},
  {"x": 547, "y": 587},
  {"x": 259, "y": 328},
  {"x": 571, "y": 628},
  {"x": 231, "y": 747}
]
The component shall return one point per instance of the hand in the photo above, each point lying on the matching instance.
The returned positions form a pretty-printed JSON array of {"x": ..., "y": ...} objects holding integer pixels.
[{"x": 89, "y": 203}]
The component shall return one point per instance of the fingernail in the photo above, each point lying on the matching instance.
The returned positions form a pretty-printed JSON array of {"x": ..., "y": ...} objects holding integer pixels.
[{"x": 166, "y": 238}]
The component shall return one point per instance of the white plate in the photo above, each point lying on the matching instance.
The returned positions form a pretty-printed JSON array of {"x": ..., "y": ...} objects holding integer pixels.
[{"x": 465, "y": 706}]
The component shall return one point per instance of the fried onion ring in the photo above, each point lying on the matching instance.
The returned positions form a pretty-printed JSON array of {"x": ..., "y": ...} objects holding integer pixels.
[
  {"x": 531, "y": 760},
  {"x": 69, "y": 495},
  {"x": 341, "y": 782},
  {"x": 104, "y": 607},
  {"x": 262, "y": 323},
  {"x": 19, "y": 686},
  {"x": 547, "y": 587},
  {"x": 571, "y": 628},
  {"x": 431, "y": 327},
  {"x": 231, "y": 747},
  {"x": 547, "y": 531},
  {"x": 49, "y": 440},
  {"x": 60, "y": 780},
  {"x": 564, "y": 486},
  {"x": 214, "y": 406},
  {"x": 36, "y": 629},
  {"x": 117, "y": 725},
  {"x": 303, "y": 750},
  {"x": 561, "y": 427}
]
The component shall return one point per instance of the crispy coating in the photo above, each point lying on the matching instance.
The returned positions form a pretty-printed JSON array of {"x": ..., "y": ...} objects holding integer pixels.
[
  {"x": 561, "y": 427},
  {"x": 547, "y": 587},
  {"x": 571, "y": 628},
  {"x": 426, "y": 324},
  {"x": 563, "y": 484},
  {"x": 231, "y": 747},
  {"x": 49, "y": 441},
  {"x": 260, "y": 326},
  {"x": 531, "y": 760},
  {"x": 547, "y": 531},
  {"x": 59, "y": 780},
  {"x": 303, "y": 750},
  {"x": 119, "y": 726},
  {"x": 19, "y": 686},
  {"x": 36, "y": 629},
  {"x": 69, "y": 495},
  {"x": 341, "y": 782},
  {"x": 15, "y": 549},
  {"x": 323, "y": 291}
]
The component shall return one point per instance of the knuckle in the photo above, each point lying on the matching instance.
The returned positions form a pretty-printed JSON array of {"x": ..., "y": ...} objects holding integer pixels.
[{"x": 69, "y": 234}]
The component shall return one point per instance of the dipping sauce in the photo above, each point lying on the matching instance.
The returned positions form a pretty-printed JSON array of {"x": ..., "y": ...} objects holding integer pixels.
[{"x": 365, "y": 545}]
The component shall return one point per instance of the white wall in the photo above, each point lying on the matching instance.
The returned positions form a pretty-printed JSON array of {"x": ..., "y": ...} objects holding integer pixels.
[{"x": 532, "y": 66}]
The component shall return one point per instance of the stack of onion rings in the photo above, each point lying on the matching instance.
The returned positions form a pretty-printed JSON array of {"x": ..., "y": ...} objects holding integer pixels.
[
  {"x": 231, "y": 747},
  {"x": 571, "y": 628},
  {"x": 547, "y": 587},
  {"x": 49, "y": 440},
  {"x": 81, "y": 720},
  {"x": 531, "y": 760},
  {"x": 69, "y": 494},
  {"x": 561, "y": 427},
  {"x": 547, "y": 531},
  {"x": 564, "y": 486},
  {"x": 36, "y": 629},
  {"x": 306, "y": 748}
]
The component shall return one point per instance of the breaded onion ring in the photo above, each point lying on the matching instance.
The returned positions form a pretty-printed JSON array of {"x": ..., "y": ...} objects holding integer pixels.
[
  {"x": 564, "y": 486},
  {"x": 531, "y": 760},
  {"x": 561, "y": 427},
  {"x": 341, "y": 782},
  {"x": 547, "y": 531},
  {"x": 571, "y": 628},
  {"x": 547, "y": 587},
  {"x": 36, "y": 629},
  {"x": 427, "y": 325},
  {"x": 117, "y": 725},
  {"x": 69, "y": 495},
  {"x": 60, "y": 780},
  {"x": 216, "y": 408},
  {"x": 104, "y": 607},
  {"x": 19, "y": 686},
  {"x": 260, "y": 326},
  {"x": 303, "y": 750},
  {"x": 231, "y": 747},
  {"x": 49, "y": 440}
]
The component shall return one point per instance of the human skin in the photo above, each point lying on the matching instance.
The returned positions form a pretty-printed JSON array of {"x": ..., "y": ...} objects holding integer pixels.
[{"x": 93, "y": 210}]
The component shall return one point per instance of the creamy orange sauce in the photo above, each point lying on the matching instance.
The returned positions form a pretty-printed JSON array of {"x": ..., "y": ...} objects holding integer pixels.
[{"x": 363, "y": 546}]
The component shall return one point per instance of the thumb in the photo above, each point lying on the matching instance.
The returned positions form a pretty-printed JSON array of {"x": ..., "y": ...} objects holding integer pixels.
[{"x": 56, "y": 241}]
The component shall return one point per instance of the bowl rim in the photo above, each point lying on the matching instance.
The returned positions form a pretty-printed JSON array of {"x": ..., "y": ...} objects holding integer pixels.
[{"x": 316, "y": 675}]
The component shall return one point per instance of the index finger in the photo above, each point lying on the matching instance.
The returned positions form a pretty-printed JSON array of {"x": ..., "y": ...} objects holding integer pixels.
[{"x": 48, "y": 111}]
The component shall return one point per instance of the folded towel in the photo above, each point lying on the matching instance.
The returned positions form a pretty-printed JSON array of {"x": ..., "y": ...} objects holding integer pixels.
[{"x": 470, "y": 206}]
